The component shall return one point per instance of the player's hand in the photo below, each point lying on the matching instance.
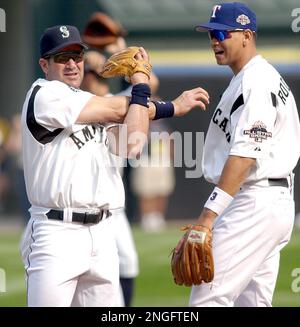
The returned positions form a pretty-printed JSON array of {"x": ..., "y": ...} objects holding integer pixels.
[
  {"x": 140, "y": 77},
  {"x": 190, "y": 99},
  {"x": 207, "y": 218},
  {"x": 118, "y": 45},
  {"x": 131, "y": 63}
]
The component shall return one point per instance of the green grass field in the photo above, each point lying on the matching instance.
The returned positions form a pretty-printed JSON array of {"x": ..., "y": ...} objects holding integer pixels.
[{"x": 154, "y": 286}]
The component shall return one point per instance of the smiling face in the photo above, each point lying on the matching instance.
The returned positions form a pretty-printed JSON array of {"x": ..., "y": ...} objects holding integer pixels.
[
  {"x": 235, "y": 50},
  {"x": 71, "y": 72}
]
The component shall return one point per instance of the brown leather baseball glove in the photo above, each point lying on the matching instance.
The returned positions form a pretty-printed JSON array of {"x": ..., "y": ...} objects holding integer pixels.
[
  {"x": 192, "y": 260},
  {"x": 125, "y": 64},
  {"x": 101, "y": 30}
]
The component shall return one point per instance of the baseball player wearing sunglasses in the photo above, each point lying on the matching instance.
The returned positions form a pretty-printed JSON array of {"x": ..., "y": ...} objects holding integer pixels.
[
  {"x": 69, "y": 246},
  {"x": 250, "y": 151}
]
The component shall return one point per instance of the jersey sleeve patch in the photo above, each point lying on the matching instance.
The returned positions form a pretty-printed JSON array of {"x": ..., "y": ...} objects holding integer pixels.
[{"x": 258, "y": 132}]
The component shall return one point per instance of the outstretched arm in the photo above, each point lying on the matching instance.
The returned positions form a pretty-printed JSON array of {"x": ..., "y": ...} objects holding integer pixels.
[
  {"x": 132, "y": 114},
  {"x": 188, "y": 100}
]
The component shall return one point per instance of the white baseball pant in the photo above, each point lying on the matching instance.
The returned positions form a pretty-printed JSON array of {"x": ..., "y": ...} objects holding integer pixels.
[
  {"x": 70, "y": 264},
  {"x": 247, "y": 239}
]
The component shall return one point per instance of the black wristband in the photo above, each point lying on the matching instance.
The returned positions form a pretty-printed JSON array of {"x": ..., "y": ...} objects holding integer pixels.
[
  {"x": 163, "y": 109},
  {"x": 140, "y": 94}
]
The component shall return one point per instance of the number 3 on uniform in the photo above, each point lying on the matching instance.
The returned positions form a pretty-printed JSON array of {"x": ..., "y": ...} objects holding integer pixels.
[{"x": 213, "y": 196}]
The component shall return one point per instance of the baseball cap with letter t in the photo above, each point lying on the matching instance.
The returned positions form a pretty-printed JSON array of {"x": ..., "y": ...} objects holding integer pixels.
[
  {"x": 58, "y": 37},
  {"x": 230, "y": 16}
]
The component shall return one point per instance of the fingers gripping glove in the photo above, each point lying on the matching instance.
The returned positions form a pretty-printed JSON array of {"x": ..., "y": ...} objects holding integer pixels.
[
  {"x": 124, "y": 63},
  {"x": 192, "y": 263}
]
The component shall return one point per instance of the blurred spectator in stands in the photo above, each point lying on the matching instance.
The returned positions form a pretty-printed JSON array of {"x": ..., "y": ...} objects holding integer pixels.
[
  {"x": 128, "y": 258},
  {"x": 153, "y": 180},
  {"x": 13, "y": 147},
  {"x": 104, "y": 33},
  {"x": 93, "y": 82},
  {"x": 105, "y": 36}
]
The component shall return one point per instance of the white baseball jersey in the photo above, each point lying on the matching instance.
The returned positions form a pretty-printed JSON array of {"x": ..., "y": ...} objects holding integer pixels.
[
  {"x": 257, "y": 118},
  {"x": 66, "y": 165}
]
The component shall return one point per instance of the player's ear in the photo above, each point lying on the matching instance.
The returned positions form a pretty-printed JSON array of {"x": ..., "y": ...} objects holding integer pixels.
[
  {"x": 44, "y": 63},
  {"x": 248, "y": 36}
]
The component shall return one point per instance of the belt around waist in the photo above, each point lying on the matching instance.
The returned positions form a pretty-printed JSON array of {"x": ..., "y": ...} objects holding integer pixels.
[
  {"x": 278, "y": 182},
  {"x": 80, "y": 217}
]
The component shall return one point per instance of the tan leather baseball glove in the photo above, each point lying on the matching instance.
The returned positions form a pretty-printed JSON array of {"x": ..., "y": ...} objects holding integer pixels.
[
  {"x": 125, "y": 64},
  {"x": 192, "y": 260}
]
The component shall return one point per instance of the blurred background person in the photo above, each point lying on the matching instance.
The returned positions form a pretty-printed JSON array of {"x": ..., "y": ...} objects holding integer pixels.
[
  {"x": 102, "y": 33},
  {"x": 106, "y": 36},
  {"x": 13, "y": 148},
  {"x": 128, "y": 258},
  {"x": 93, "y": 82},
  {"x": 153, "y": 180}
]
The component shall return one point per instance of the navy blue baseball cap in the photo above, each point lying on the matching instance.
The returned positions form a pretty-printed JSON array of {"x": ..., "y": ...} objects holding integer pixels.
[
  {"x": 230, "y": 16},
  {"x": 58, "y": 37}
]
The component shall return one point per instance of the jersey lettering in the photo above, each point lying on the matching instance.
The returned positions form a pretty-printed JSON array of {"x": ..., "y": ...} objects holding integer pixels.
[
  {"x": 85, "y": 135},
  {"x": 228, "y": 137},
  {"x": 217, "y": 113},
  {"x": 248, "y": 122},
  {"x": 77, "y": 141},
  {"x": 284, "y": 91},
  {"x": 222, "y": 123}
]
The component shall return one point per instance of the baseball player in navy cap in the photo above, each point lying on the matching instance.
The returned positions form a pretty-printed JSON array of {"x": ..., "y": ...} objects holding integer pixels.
[
  {"x": 56, "y": 37},
  {"x": 250, "y": 151},
  {"x": 69, "y": 248}
]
